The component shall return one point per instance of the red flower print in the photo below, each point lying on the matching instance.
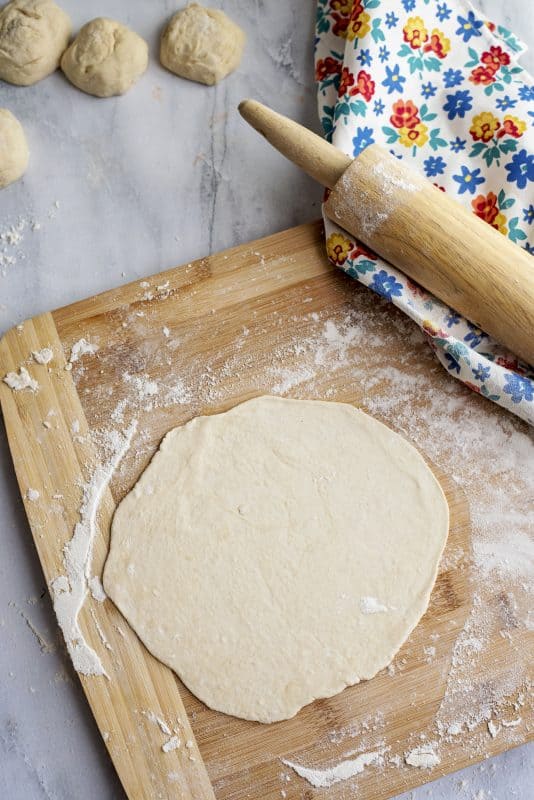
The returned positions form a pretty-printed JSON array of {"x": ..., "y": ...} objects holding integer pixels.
[
  {"x": 485, "y": 207},
  {"x": 472, "y": 387},
  {"x": 344, "y": 6},
  {"x": 416, "y": 290},
  {"x": 360, "y": 250},
  {"x": 438, "y": 44},
  {"x": 405, "y": 114},
  {"x": 483, "y": 75},
  {"x": 495, "y": 58},
  {"x": 441, "y": 188},
  {"x": 341, "y": 24},
  {"x": 509, "y": 362},
  {"x": 347, "y": 80},
  {"x": 364, "y": 85},
  {"x": 325, "y": 67},
  {"x": 512, "y": 126}
]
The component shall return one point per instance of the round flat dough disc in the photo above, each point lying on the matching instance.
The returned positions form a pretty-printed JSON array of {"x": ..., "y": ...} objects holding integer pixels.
[{"x": 277, "y": 553}]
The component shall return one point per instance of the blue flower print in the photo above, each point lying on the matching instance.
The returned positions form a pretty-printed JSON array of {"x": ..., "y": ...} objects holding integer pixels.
[
  {"x": 529, "y": 248},
  {"x": 394, "y": 80},
  {"x": 428, "y": 90},
  {"x": 364, "y": 137},
  {"x": 528, "y": 214},
  {"x": 521, "y": 169},
  {"x": 452, "y": 318},
  {"x": 469, "y": 26},
  {"x": 391, "y": 19},
  {"x": 458, "y": 103},
  {"x": 383, "y": 54},
  {"x": 475, "y": 335},
  {"x": 468, "y": 180},
  {"x": 481, "y": 373},
  {"x": 457, "y": 145},
  {"x": 386, "y": 285},
  {"x": 365, "y": 58},
  {"x": 409, "y": 5},
  {"x": 443, "y": 12},
  {"x": 526, "y": 93},
  {"x": 434, "y": 165},
  {"x": 378, "y": 107},
  {"x": 452, "y": 77},
  {"x": 504, "y": 103},
  {"x": 518, "y": 387}
]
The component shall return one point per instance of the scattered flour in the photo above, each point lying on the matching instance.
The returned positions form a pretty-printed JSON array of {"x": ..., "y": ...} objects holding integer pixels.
[
  {"x": 81, "y": 348},
  {"x": 97, "y": 590},
  {"x": 423, "y": 757},
  {"x": 171, "y": 744},
  {"x": 21, "y": 380},
  {"x": 43, "y": 356},
  {"x": 32, "y": 494},
  {"x": 69, "y": 590},
  {"x": 323, "y": 778}
]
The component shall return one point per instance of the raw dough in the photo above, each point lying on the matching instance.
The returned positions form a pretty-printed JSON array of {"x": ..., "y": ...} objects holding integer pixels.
[
  {"x": 242, "y": 554},
  {"x": 106, "y": 58},
  {"x": 14, "y": 151},
  {"x": 33, "y": 35},
  {"x": 202, "y": 44}
]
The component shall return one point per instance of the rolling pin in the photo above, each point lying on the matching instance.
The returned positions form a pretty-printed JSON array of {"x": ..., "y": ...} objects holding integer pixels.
[{"x": 402, "y": 217}]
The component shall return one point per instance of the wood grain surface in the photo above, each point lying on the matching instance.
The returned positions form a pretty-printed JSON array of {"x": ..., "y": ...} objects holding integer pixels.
[{"x": 211, "y": 334}]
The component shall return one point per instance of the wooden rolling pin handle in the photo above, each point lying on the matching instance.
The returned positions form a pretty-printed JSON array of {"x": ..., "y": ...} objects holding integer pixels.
[{"x": 425, "y": 233}]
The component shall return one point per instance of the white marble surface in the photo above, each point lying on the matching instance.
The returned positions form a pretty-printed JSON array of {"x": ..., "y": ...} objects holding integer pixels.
[{"x": 122, "y": 188}]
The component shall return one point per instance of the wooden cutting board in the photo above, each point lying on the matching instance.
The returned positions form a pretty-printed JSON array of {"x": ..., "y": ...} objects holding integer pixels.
[{"x": 269, "y": 317}]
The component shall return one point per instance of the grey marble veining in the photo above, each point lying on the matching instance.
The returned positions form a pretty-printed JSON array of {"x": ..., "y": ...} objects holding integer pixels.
[{"x": 122, "y": 188}]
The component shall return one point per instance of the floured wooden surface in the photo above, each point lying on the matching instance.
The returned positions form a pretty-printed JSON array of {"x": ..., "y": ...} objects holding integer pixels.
[{"x": 274, "y": 317}]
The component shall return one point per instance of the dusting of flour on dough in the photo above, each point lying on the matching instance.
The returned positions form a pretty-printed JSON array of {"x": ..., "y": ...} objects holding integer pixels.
[
  {"x": 70, "y": 590},
  {"x": 323, "y": 778},
  {"x": 370, "y": 605}
]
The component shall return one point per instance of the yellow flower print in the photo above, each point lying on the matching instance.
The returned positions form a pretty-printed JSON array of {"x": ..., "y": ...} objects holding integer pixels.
[
  {"x": 338, "y": 248},
  {"x": 414, "y": 32},
  {"x": 484, "y": 126},
  {"x": 343, "y": 6},
  {"x": 358, "y": 27},
  {"x": 500, "y": 223},
  {"x": 416, "y": 135}
]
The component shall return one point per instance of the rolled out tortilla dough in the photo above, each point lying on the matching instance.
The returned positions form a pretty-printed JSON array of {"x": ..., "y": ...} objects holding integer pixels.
[{"x": 278, "y": 552}]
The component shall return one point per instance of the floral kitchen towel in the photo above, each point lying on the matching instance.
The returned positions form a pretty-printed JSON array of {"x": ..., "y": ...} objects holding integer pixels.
[{"x": 438, "y": 85}]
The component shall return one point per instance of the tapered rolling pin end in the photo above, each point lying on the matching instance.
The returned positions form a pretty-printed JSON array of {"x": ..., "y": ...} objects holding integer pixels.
[{"x": 310, "y": 152}]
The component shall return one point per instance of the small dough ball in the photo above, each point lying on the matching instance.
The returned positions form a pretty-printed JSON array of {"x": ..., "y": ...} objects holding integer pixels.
[
  {"x": 106, "y": 58},
  {"x": 201, "y": 44},
  {"x": 33, "y": 36},
  {"x": 14, "y": 151}
]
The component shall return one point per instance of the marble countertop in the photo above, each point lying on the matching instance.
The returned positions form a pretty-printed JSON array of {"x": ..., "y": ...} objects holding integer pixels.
[{"x": 116, "y": 190}]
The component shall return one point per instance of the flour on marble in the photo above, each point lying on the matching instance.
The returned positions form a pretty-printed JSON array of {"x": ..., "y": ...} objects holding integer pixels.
[{"x": 70, "y": 589}]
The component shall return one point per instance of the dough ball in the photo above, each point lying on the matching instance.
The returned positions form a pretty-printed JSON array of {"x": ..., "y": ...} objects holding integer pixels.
[
  {"x": 33, "y": 36},
  {"x": 14, "y": 151},
  {"x": 106, "y": 58},
  {"x": 201, "y": 44}
]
